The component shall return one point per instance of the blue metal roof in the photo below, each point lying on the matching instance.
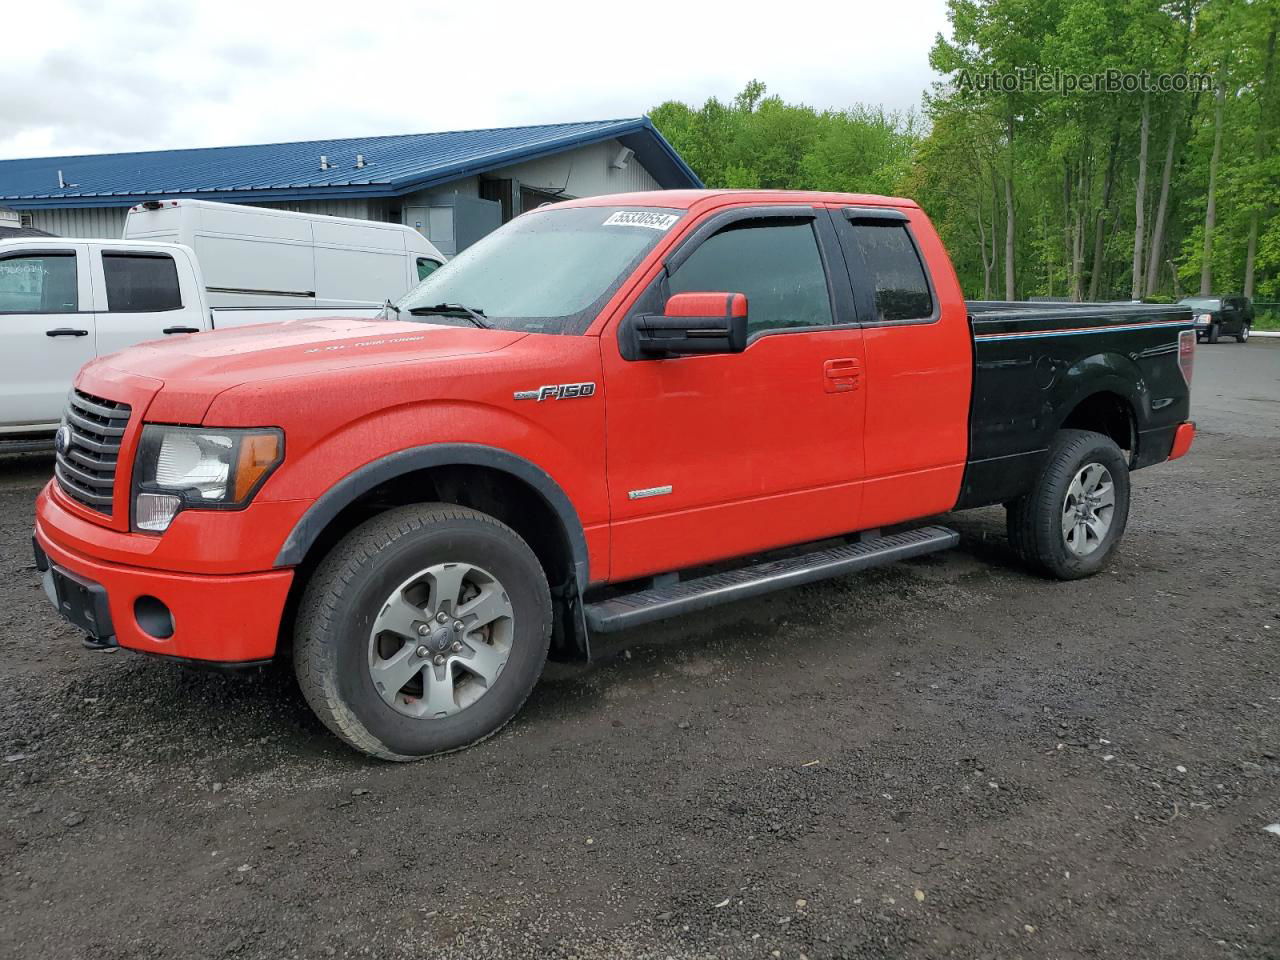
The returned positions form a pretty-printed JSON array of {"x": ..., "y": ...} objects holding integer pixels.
[{"x": 393, "y": 165}]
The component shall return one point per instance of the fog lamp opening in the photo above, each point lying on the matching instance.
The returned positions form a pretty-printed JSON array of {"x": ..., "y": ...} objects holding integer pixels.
[{"x": 153, "y": 617}]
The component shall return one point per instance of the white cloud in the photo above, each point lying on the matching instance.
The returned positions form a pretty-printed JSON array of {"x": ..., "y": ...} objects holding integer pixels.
[{"x": 92, "y": 77}]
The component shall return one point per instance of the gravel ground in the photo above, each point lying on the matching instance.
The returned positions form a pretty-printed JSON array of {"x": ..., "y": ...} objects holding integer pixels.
[{"x": 944, "y": 758}]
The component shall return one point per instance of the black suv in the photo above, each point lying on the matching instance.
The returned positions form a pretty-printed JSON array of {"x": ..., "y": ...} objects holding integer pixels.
[{"x": 1216, "y": 316}]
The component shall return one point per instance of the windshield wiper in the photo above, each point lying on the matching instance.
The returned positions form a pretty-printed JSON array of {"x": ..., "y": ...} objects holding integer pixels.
[
  {"x": 475, "y": 316},
  {"x": 382, "y": 314}
]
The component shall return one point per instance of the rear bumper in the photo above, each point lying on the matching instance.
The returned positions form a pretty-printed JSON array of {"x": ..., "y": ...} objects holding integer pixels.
[
  {"x": 1183, "y": 437},
  {"x": 217, "y": 619}
]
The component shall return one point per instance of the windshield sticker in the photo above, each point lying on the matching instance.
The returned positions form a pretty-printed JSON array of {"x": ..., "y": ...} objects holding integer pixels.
[{"x": 638, "y": 218}]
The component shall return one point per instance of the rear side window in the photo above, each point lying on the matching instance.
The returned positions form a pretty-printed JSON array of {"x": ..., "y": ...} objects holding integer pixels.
[
  {"x": 141, "y": 283},
  {"x": 774, "y": 262},
  {"x": 39, "y": 283},
  {"x": 893, "y": 267}
]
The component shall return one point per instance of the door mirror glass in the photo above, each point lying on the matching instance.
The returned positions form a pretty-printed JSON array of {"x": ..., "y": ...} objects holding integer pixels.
[{"x": 691, "y": 323}]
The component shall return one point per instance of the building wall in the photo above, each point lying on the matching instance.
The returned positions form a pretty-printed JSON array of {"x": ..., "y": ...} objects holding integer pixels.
[
  {"x": 585, "y": 172},
  {"x": 357, "y": 208},
  {"x": 98, "y": 223},
  {"x": 467, "y": 186}
]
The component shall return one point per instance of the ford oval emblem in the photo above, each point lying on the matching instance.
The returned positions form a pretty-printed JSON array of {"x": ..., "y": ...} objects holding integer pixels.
[{"x": 62, "y": 439}]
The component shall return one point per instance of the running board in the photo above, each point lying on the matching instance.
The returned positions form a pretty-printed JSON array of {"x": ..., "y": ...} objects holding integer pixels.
[{"x": 660, "y": 602}]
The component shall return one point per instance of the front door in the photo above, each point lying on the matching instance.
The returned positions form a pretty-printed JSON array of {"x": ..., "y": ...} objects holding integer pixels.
[
  {"x": 720, "y": 455},
  {"x": 46, "y": 332}
]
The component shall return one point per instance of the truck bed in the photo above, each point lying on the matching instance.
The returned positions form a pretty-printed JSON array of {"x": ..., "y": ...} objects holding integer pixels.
[{"x": 1122, "y": 356}]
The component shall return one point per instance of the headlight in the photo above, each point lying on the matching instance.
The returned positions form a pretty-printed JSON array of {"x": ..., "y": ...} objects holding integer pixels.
[{"x": 193, "y": 468}]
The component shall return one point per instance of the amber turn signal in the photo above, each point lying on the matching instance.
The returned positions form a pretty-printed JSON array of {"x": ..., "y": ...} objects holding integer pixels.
[{"x": 259, "y": 452}]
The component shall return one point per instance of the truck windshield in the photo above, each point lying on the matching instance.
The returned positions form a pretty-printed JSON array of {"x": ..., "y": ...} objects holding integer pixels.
[
  {"x": 548, "y": 271},
  {"x": 1203, "y": 303}
]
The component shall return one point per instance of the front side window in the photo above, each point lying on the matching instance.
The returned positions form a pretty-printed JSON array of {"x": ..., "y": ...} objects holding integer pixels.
[
  {"x": 427, "y": 267},
  {"x": 39, "y": 283},
  {"x": 775, "y": 262},
  {"x": 549, "y": 271},
  {"x": 893, "y": 266},
  {"x": 141, "y": 283}
]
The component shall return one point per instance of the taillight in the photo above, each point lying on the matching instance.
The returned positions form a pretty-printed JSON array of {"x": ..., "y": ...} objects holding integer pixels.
[{"x": 1186, "y": 353}]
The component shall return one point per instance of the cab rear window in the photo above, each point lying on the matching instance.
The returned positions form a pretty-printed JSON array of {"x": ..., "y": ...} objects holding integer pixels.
[{"x": 892, "y": 266}]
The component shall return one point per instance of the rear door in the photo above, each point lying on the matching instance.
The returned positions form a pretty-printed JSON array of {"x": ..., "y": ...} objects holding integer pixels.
[
  {"x": 46, "y": 331},
  {"x": 143, "y": 294},
  {"x": 919, "y": 362},
  {"x": 715, "y": 456}
]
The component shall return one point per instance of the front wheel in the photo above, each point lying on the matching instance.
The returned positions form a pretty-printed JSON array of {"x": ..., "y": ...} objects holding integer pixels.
[
  {"x": 1068, "y": 525},
  {"x": 1211, "y": 335},
  {"x": 423, "y": 631}
]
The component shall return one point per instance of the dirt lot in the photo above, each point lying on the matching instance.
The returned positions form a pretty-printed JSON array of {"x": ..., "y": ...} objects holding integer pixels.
[{"x": 946, "y": 758}]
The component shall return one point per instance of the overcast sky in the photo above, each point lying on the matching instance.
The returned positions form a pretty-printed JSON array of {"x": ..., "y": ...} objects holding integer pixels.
[{"x": 79, "y": 76}]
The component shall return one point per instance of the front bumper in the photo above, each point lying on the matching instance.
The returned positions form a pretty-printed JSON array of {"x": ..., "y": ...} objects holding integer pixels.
[{"x": 215, "y": 618}]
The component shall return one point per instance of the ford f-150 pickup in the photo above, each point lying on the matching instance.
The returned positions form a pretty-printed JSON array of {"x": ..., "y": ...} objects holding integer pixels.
[{"x": 607, "y": 412}]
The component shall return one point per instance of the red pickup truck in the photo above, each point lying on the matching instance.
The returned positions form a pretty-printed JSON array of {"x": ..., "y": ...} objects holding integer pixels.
[{"x": 608, "y": 411}]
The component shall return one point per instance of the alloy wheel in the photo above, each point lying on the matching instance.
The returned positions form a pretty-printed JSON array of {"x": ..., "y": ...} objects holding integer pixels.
[
  {"x": 1088, "y": 509},
  {"x": 440, "y": 640}
]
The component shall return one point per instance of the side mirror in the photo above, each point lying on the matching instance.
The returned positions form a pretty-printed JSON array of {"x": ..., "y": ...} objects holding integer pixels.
[{"x": 691, "y": 323}]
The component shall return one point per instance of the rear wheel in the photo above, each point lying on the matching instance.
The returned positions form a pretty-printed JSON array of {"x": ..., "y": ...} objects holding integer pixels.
[
  {"x": 1068, "y": 525},
  {"x": 423, "y": 631},
  {"x": 1243, "y": 335}
]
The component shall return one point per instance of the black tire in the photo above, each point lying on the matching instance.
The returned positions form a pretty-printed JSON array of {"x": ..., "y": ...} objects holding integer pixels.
[
  {"x": 1034, "y": 520},
  {"x": 1212, "y": 334},
  {"x": 1243, "y": 335},
  {"x": 349, "y": 589}
]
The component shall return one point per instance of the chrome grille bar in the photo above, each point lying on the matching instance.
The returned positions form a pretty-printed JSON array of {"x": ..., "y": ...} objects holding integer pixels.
[{"x": 86, "y": 464}]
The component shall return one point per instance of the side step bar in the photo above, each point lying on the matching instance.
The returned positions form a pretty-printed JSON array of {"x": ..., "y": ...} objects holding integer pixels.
[{"x": 660, "y": 602}]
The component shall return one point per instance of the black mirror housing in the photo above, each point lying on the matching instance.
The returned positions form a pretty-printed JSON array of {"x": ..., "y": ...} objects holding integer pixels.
[{"x": 691, "y": 323}]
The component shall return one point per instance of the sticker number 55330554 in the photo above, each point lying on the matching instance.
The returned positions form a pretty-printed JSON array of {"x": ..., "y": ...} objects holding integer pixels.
[{"x": 642, "y": 218}]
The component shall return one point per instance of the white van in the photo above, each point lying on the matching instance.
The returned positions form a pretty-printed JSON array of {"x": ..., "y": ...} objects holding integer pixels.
[{"x": 260, "y": 257}]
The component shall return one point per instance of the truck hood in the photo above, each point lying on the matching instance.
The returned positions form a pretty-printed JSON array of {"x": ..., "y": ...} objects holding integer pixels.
[{"x": 195, "y": 368}]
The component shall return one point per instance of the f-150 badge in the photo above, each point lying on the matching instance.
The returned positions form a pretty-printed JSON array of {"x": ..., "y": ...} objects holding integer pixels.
[{"x": 557, "y": 391}]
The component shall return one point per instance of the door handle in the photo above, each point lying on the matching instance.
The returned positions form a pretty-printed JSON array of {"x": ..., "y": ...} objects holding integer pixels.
[
  {"x": 841, "y": 375},
  {"x": 66, "y": 332},
  {"x": 171, "y": 330}
]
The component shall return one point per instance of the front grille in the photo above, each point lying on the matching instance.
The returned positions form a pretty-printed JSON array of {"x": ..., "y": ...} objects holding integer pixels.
[{"x": 86, "y": 464}]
